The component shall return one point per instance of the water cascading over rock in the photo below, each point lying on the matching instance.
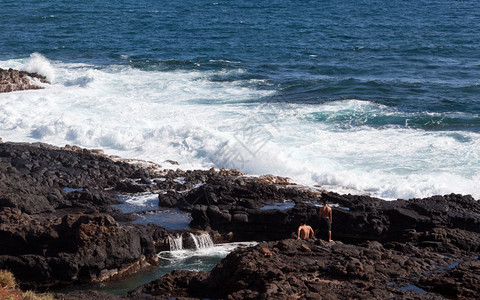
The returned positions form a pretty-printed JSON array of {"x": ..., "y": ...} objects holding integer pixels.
[{"x": 190, "y": 241}]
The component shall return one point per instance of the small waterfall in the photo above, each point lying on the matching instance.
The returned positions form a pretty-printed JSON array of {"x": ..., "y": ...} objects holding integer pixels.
[
  {"x": 202, "y": 241},
  {"x": 176, "y": 243},
  {"x": 196, "y": 242}
]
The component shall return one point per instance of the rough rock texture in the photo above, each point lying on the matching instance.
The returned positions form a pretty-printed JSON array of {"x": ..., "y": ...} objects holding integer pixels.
[
  {"x": 405, "y": 249},
  {"x": 229, "y": 202},
  {"x": 234, "y": 206},
  {"x": 316, "y": 269},
  {"x": 56, "y": 224},
  {"x": 38, "y": 178},
  {"x": 76, "y": 247},
  {"x": 401, "y": 220},
  {"x": 14, "y": 80}
]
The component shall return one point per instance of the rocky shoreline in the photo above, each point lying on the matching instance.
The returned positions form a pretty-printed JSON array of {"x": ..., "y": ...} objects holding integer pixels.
[{"x": 58, "y": 227}]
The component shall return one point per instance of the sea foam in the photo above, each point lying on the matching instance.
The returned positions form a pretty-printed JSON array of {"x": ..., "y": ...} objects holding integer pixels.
[
  {"x": 37, "y": 63},
  {"x": 201, "y": 123}
]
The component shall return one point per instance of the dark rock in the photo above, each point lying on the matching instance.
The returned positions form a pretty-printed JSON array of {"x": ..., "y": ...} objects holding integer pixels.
[
  {"x": 169, "y": 199},
  {"x": 41, "y": 178},
  {"x": 315, "y": 269},
  {"x": 75, "y": 248},
  {"x": 414, "y": 249},
  {"x": 57, "y": 226},
  {"x": 178, "y": 283},
  {"x": 130, "y": 186},
  {"x": 14, "y": 80},
  {"x": 52, "y": 229},
  {"x": 90, "y": 295},
  {"x": 355, "y": 218},
  {"x": 249, "y": 193}
]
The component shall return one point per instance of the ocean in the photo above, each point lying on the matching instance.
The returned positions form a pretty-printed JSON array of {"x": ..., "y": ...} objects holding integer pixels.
[{"x": 366, "y": 97}]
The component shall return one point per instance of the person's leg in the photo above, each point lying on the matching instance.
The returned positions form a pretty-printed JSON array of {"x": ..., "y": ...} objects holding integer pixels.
[
  {"x": 329, "y": 228},
  {"x": 326, "y": 229}
]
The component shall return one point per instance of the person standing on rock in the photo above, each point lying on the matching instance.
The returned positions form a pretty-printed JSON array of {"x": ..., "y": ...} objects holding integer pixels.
[
  {"x": 325, "y": 214},
  {"x": 305, "y": 231}
]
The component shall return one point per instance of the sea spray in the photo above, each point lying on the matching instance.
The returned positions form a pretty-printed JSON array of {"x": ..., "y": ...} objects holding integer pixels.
[{"x": 37, "y": 63}]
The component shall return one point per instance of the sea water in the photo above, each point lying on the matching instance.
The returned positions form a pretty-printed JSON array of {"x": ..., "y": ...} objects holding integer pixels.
[
  {"x": 369, "y": 97},
  {"x": 145, "y": 208},
  {"x": 188, "y": 251},
  {"x": 204, "y": 259}
]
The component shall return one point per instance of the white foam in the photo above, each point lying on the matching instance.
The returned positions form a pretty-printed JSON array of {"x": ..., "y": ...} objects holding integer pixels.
[
  {"x": 145, "y": 199},
  {"x": 217, "y": 250},
  {"x": 185, "y": 117},
  {"x": 37, "y": 63}
]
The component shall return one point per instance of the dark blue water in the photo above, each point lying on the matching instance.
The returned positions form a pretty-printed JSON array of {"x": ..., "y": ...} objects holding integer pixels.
[{"x": 413, "y": 55}]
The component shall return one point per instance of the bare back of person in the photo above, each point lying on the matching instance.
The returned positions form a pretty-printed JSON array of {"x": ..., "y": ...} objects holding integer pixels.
[
  {"x": 325, "y": 212},
  {"x": 305, "y": 232}
]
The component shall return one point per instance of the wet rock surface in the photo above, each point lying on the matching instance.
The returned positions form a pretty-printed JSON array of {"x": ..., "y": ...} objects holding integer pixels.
[
  {"x": 57, "y": 226},
  {"x": 13, "y": 80}
]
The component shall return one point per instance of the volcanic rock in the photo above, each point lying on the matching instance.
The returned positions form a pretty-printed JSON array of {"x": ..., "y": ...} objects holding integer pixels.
[
  {"x": 14, "y": 80},
  {"x": 328, "y": 271},
  {"x": 55, "y": 217},
  {"x": 57, "y": 226}
]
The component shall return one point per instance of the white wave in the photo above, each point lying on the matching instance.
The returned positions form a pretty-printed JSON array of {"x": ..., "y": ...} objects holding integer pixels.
[
  {"x": 37, "y": 63},
  {"x": 185, "y": 117}
]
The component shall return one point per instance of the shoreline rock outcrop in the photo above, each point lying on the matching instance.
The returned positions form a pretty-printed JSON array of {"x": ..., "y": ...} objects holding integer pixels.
[
  {"x": 58, "y": 227},
  {"x": 317, "y": 269},
  {"x": 56, "y": 224},
  {"x": 13, "y": 80},
  {"x": 415, "y": 249}
]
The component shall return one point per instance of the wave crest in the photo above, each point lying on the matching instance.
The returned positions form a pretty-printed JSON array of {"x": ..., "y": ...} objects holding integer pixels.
[{"x": 37, "y": 63}]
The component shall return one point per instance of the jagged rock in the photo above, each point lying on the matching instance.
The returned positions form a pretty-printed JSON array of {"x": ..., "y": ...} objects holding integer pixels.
[
  {"x": 14, "y": 80},
  {"x": 75, "y": 248},
  {"x": 192, "y": 281},
  {"x": 53, "y": 223},
  {"x": 415, "y": 249},
  {"x": 327, "y": 271},
  {"x": 56, "y": 226},
  {"x": 38, "y": 178},
  {"x": 229, "y": 207}
]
